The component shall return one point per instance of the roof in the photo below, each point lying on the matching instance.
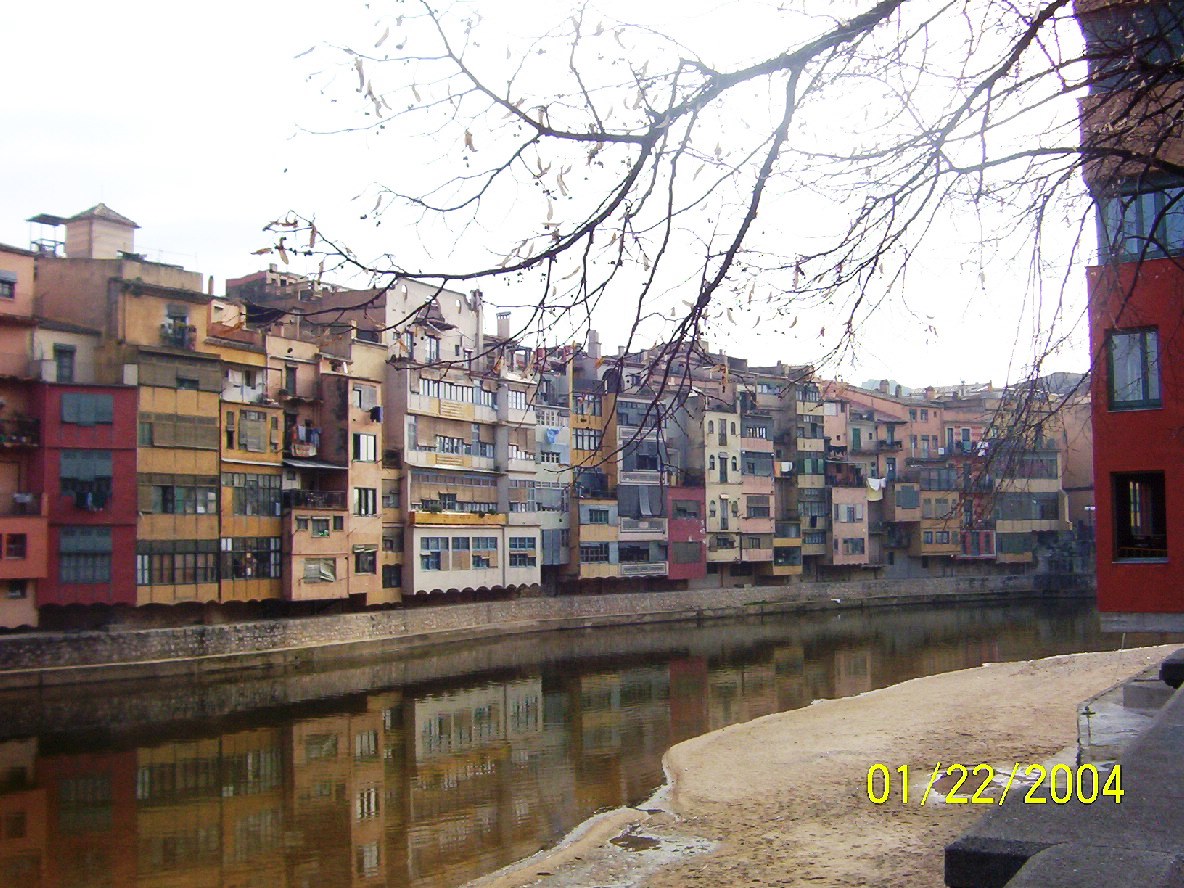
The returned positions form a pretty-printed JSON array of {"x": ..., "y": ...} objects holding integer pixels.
[
  {"x": 102, "y": 211},
  {"x": 66, "y": 327},
  {"x": 19, "y": 251}
]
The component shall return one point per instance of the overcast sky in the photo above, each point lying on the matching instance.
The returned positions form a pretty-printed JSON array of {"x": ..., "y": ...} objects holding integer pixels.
[{"x": 188, "y": 119}]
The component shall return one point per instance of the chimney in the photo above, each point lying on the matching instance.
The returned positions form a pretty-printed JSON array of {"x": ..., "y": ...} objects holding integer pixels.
[
  {"x": 593, "y": 345},
  {"x": 930, "y": 391},
  {"x": 883, "y": 386},
  {"x": 210, "y": 286},
  {"x": 503, "y": 325},
  {"x": 898, "y": 391}
]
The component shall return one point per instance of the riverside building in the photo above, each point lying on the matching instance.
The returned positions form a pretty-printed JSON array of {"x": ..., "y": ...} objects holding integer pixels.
[{"x": 165, "y": 445}]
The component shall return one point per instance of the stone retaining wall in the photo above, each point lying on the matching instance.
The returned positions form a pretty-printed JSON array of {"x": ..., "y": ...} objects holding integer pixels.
[{"x": 59, "y": 658}]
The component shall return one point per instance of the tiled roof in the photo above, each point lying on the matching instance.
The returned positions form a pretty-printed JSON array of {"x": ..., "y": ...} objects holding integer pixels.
[{"x": 102, "y": 211}]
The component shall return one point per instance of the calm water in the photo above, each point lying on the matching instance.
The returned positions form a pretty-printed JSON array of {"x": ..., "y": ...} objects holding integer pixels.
[{"x": 433, "y": 769}]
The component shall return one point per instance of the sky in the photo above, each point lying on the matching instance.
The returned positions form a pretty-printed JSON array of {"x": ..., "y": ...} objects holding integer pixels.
[{"x": 199, "y": 122}]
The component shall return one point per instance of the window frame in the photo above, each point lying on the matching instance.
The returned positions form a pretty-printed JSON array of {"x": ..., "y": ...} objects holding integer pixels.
[{"x": 1150, "y": 377}]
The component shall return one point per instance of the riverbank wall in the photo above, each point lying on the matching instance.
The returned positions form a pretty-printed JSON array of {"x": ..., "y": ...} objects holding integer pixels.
[{"x": 49, "y": 659}]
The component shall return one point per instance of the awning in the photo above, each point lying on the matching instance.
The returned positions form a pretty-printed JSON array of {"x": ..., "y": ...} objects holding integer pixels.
[{"x": 312, "y": 464}]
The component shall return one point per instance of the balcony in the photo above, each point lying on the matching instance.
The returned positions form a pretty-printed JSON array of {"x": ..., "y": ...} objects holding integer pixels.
[
  {"x": 325, "y": 500},
  {"x": 644, "y": 569},
  {"x": 643, "y": 528},
  {"x": 302, "y": 450},
  {"x": 642, "y": 476},
  {"x": 20, "y": 432},
  {"x": 889, "y": 446},
  {"x": 787, "y": 530},
  {"x": 174, "y": 334},
  {"x": 306, "y": 394}
]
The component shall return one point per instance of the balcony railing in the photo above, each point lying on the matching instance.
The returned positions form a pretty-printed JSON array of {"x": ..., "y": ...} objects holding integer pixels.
[
  {"x": 332, "y": 500},
  {"x": 644, "y": 569},
  {"x": 642, "y": 526},
  {"x": 889, "y": 446}
]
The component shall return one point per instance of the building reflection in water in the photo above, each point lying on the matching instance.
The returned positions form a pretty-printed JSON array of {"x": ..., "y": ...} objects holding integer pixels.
[{"x": 429, "y": 785}]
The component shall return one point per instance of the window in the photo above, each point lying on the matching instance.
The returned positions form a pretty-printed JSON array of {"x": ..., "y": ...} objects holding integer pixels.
[
  {"x": 15, "y": 590},
  {"x": 598, "y": 516},
  {"x": 433, "y": 348},
  {"x": 247, "y": 558},
  {"x": 320, "y": 570},
  {"x": 365, "y": 448},
  {"x": 365, "y": 561},
  {"x": 253, "y": 494},
  {"x": 588, "y": 405},
  {"x": 364, "y": 397},
  {"x": 924, "y": 415},
  {"x": 853, "y": 546},
  {"x": 687, "y": 509},
  {"x": 1147, "y": 224},
  {"x": 252, "y": 430},
  {"x": 320, "y": 527},
  {"x": 7, "y": 285},
  {"x": 594, "y": 553},
  {"x": 63, "y": 359},
  {"x": 587, "y": 439},
  {"x": 392, "y": 576},
  {"x": 365, "y": 501},
  {"x": 161, "y": 494},
  {"x": 290, "y": 379},
  {"x": 176, "y": 562},
  {"x": 367, "y": 859},
  {"x": 86, "y": 476},
  {"x": 758, "y": 507},
  {"x": 518, "y": 399},
  {"x": 549, "y": 456},
  {"x": 1134, "y": 369},
  {"x": 1140, "y": 525},
  {"x": 431, "y": 552},
  {"x": 913, "y": 414},
  {"x": 686, "y": 553},
  {"x": 522, "y": 552},
  {"x": 85, "y": 409},
  {"x": 16, "y": 545}
]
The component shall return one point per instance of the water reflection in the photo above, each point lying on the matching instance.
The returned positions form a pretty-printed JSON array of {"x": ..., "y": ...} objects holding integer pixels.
[{"x": 443, "y": 779}]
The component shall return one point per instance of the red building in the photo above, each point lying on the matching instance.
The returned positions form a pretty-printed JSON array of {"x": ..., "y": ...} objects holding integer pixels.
[
  {"x": 87, "y": 471},
  {"x": 1136, "y": 301},
  {"x": 686, "y": 532}
]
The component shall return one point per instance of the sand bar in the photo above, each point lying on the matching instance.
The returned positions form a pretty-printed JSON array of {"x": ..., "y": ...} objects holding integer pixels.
[{"x": 783, "y": 800}]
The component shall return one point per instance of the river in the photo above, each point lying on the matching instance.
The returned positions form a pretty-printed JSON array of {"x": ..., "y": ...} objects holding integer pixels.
[{"x": 435, "y": 768}]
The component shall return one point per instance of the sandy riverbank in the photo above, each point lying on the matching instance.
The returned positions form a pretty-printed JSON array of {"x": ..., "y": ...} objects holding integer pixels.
[{"x": 783, "y": 800}]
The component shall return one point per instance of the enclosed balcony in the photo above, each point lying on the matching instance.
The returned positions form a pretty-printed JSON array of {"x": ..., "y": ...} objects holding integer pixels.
[
  {"x": 643, "y": 529},
  {"x": 322, "y": 500}
]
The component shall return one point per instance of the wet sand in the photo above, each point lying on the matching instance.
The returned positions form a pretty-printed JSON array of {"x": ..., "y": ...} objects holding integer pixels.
[{"x": 783, "y": 800}]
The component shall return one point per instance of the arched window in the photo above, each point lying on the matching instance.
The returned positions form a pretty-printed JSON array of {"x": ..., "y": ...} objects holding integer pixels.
[
  {"x": 733, "y": 428},
  {"x": 735, "y": 507},
  {"x": 710, "y": 426},
  {"x": 711, "y": 462},
  {"x": 712, "y": 507},
  {"x": 735, "y": 465}
]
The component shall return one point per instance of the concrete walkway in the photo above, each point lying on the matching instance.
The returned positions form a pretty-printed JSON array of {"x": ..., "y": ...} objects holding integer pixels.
[{"x": 1105, "y": 844}]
